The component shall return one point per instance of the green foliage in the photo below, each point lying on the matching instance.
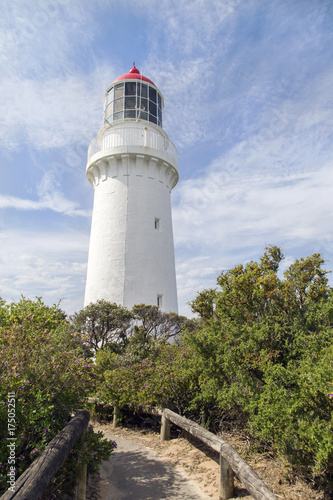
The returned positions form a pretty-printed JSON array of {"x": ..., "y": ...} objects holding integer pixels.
[
  {"x": 155, "y": 324},
  {"x": 43, "y": 363},
  {"x": 103, "y": 324},
  {"x": 264, "y": 350},
  {"x": 164, "y": 379}
]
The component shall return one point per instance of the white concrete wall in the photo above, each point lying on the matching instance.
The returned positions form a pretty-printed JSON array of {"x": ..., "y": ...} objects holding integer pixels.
[{"x": 130, "y": 261}]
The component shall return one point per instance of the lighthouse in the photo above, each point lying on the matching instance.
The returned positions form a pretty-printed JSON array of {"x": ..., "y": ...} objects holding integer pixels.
[{"x": 132, "y": 167}]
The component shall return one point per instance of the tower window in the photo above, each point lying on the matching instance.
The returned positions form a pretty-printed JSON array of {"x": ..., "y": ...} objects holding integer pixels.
[
  {"x": 157, "y": 224},
  {"x": 159, "y": 300}
]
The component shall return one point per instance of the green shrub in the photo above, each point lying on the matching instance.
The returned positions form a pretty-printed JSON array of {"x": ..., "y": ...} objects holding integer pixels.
[
  {"x": 164, "y": 379},
  {"x": 42, "y": 362},
  {"x": 264, "y": 355}
]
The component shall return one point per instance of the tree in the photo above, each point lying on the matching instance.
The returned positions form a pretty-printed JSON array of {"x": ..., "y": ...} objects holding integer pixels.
[
  {"x": 103, "y": 324},
  {"x": 156, "y": 324}
]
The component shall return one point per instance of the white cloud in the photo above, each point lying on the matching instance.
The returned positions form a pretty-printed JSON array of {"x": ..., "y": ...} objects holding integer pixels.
[
  {"x": 50, "y": 114},
  {"x": 274, "y": 187},
  {"x": 47, "y": 99},
  {"x": 50, "y": 197},
  {"x": 51, "y": 265}
]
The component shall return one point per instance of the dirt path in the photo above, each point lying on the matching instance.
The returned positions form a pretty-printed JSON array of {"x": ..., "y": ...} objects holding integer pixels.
[
  {"x": 135, "y": 472},
  {"x": 203, "y": 470}
]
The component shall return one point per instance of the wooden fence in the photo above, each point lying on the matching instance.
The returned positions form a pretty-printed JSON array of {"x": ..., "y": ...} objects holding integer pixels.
[
  {"x": 34, "y": 481},
  {"x": 230, "y": 461}
]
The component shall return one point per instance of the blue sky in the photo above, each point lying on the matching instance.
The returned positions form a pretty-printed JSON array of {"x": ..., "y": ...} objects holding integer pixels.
[{"x": 248, "y": 93}]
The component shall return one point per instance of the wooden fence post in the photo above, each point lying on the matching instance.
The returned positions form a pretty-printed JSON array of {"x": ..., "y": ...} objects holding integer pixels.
[
  {"x": 81, "y": 478},
  {"x": 226, "y": 480},
  {"x": 116, "y": 415},
  {"x": 165, "y": 428}
]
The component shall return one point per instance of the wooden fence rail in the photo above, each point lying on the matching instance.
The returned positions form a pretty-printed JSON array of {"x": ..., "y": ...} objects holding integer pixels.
[
  {"x": 230, "y": 461},
  {"x": 34, "y": 481}
]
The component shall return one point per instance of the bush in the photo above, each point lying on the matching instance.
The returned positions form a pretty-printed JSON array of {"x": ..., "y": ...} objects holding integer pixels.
[
  {"x": 163, "y": 379},
  {"x": 264, "y": 356},
  {"x": 42, "y": 362}
]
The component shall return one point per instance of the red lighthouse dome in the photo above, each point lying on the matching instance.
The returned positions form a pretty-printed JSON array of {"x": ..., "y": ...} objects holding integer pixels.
[{"x": 133, "y": 74}]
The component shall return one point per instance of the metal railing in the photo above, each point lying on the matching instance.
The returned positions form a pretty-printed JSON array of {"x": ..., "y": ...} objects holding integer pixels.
[{"x": 128, "y": 135}]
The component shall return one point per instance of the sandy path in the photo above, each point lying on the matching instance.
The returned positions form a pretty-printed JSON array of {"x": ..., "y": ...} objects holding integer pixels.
[
  {"x": 204, "y": 471},
  {"x": 135, "y": 472}
]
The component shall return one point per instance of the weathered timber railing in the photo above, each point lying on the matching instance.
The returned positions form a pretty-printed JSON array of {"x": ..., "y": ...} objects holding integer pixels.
[
  {"x": 230, "y": 461},
  {"x": 34, "y": 481}
]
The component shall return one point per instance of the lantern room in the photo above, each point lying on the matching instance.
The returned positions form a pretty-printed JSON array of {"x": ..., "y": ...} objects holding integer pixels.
[{"x": 133, "y": 97}]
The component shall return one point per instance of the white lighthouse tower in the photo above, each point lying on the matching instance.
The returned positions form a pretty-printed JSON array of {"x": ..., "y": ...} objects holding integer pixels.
[{"x": 132, "y": 166}]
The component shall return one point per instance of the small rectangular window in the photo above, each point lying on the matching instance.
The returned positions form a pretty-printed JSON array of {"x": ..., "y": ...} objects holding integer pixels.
[
  {"x": 157, "y": 224},
  {"x": 159, "y": 300}
]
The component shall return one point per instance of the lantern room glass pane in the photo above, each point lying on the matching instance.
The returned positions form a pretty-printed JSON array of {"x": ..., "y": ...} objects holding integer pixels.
[
  {"x": 130, "y": 88},
  {"x": 152, "y": 94},
  {"x": 152, "y": 108},
  {"x": 159, "y": 115},
  {"x": 130, "y": 102},
  {"x": 142, "y": 104},
  {"x": 119, "y": 90},
  {"x": 130, "y": 113},
  {"x": 159, "y": 101},
  {"x": 152, "y": 118},
  {"x": 119, "y": 105},
  {"x": 118, "y": 116},
  {"x": 142, "y": 115},
  {"x": 109, "y": 110},
  {"x": 142, "y": 89},
  {"x": 111, "y": 93}
]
